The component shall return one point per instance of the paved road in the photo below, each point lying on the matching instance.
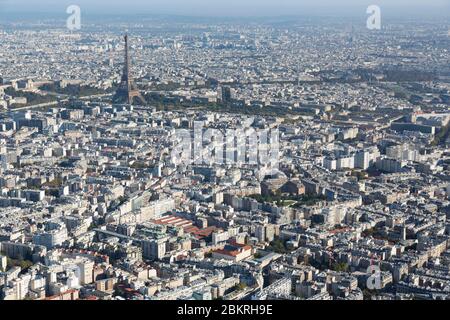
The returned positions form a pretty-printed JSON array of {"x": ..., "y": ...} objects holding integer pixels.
[{"x": 54, "y": 103}]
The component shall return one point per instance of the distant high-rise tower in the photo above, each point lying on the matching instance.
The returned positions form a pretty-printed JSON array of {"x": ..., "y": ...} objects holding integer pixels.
[
  {"x": 127, "y": 90},
  {"x": 227, "y": 94}
]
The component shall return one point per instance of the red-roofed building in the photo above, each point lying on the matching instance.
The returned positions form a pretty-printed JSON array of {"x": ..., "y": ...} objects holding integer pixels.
[
  {"x": 68, "y": 295},
  {"x": 234, "y": 252},
  {"x": 187, "y": 225},
  {"x": 173, "y": 221}
]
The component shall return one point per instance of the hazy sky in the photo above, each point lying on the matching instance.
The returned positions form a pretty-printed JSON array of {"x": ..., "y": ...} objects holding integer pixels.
[{"x": 226, "y": 7}]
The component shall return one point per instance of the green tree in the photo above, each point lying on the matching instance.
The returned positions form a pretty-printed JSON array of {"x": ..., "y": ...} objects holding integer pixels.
[
  {"x": 240, "y": 287},
  {"x": 340, "y": 267}
]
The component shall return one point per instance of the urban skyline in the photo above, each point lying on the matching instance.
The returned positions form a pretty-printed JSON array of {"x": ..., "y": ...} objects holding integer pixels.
[{"x": 158, "y": 157}]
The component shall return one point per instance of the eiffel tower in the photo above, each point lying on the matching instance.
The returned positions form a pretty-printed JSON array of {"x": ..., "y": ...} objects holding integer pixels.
[{"x": 127, "y": 91}]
